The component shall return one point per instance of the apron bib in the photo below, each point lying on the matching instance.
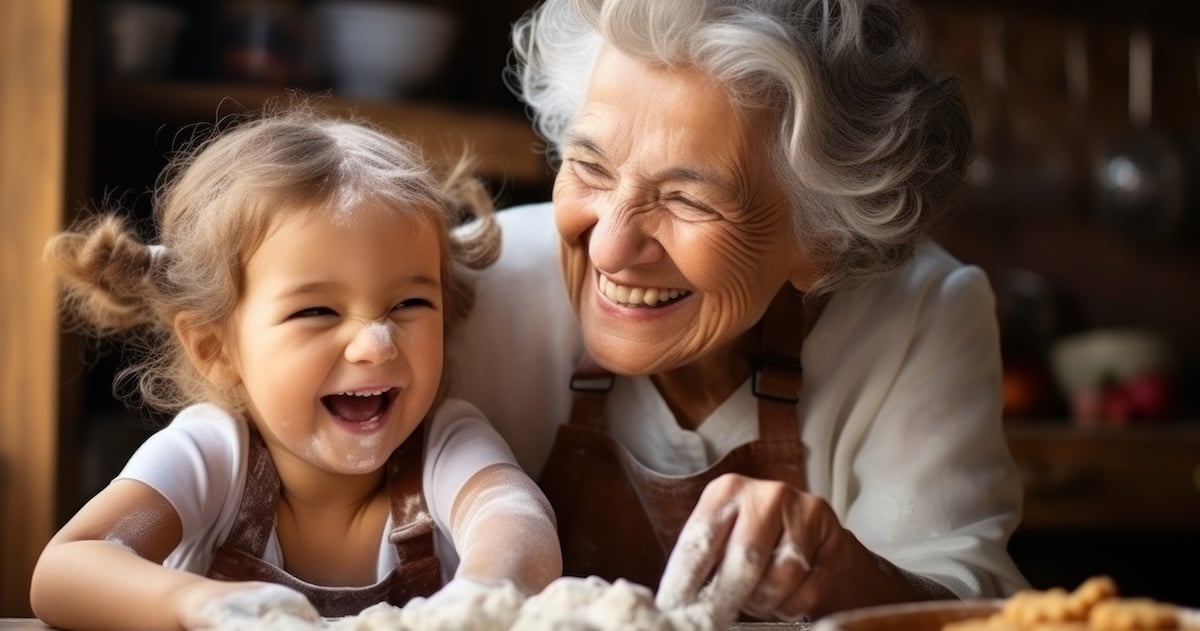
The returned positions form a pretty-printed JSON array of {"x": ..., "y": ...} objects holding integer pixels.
[
  {"x": 618, "y": 519},
  {"x": 417, "y": 573}
]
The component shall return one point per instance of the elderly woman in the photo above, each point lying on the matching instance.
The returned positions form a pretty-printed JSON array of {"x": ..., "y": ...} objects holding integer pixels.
[{"x": 744, "y": 195}]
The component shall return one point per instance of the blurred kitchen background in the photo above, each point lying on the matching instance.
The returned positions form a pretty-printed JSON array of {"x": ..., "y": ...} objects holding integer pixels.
[{"x": 1083, "y": 207}]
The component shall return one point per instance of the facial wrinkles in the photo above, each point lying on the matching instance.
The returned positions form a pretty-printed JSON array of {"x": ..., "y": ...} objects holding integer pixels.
[{"x": 623, "y": 235}]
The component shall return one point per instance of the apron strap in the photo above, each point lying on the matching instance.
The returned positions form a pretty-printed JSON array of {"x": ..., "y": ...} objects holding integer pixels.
[
  {"x": 778, "y": 372},
  {"x": 591, "y": 384},
  {"x": 255, "y": 520},
  {"x": 411, "y": 518}
]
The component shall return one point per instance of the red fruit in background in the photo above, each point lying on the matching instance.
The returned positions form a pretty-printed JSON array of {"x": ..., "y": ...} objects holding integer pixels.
[
  {"x": 1019, "y": 394},
  {"x": 1149, "y": 395},
  {"x": 1028, "y": 390},
  {"x": 1118, "y": 406},
  {"x": 1087, "y": 407}
]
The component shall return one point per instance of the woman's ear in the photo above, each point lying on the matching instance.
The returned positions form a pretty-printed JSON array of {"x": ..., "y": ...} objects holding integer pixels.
[
  {"x": 806, "y": 270},
  {"x": 801, "y": 280},
  {"x": 205, "y": 347}
]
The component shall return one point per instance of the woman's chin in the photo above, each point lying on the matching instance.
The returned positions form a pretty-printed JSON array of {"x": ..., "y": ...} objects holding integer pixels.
[{"x": 631, "y": 358}]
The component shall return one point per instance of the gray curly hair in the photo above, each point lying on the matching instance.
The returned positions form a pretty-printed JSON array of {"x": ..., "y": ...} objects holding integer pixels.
[{"x": 871, "y": 146}]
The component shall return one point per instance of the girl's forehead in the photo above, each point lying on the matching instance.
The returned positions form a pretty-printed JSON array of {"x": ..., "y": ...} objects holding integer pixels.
[{"x": 348, "y": 209}]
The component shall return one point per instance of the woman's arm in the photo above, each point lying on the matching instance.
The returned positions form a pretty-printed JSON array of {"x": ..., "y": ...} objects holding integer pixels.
[
  {"x": 939, "y": 492},
  {"x": 922, "y": 494}
]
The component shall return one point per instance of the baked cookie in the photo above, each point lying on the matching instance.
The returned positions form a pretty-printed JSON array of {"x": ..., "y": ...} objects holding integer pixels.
[
  {"x": 1133, "y": 614},
  {"x": 1093, "y": 591},
  {"x": 1029, "y": 607},
  {"x": 994, "y": 623}
]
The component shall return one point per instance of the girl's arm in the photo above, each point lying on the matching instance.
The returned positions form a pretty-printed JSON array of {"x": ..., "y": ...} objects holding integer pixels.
[
  {"x": 104, "y": 569},
  {"x": 504, "y": 530},
  {"x": 501, "y": 524}
]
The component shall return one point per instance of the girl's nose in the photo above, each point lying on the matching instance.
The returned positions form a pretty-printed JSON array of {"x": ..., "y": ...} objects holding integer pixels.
[{"x": 374, "y": 343}]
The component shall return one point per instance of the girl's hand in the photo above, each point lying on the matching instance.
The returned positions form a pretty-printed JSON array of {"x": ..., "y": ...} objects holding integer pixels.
[
  {"x": 211, "y": 604},
  {"x": 775, "y": 553}
]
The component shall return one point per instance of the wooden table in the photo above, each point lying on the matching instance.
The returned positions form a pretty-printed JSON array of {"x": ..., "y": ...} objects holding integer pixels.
[{"x": 22, "y": 624}]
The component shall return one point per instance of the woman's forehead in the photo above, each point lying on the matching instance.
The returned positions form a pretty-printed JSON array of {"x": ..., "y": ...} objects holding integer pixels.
[{"x": 680, "y": 116}]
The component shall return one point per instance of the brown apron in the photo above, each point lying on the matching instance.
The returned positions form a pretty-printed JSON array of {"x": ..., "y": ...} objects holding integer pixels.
[
  {"x": 618, "y": 519},
  {"x": 417, "y": 573}
]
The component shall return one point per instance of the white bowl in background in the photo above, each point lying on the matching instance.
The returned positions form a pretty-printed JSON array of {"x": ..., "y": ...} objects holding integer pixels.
[
  {"x": 380, "y": 49},
  {"x": 1085, "y": 361},
  {"x": 141, "y": 37}
]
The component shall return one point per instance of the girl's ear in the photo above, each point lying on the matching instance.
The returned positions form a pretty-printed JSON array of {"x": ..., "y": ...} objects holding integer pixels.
[{"x": 205, "y": 347}]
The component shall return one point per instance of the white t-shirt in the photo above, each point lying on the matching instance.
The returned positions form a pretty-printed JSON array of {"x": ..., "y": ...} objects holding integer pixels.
[
  {"x": 900, "y": 406},
  {"x": 198, "y": 463}
]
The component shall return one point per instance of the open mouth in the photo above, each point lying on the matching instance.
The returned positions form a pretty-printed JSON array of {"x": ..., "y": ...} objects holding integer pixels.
[
  {"x": 359, "y": 407},
  {"x": 644, "y": 297}
]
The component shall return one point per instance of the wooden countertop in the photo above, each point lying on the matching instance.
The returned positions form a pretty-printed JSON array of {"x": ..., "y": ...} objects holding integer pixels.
[{"x": 21, "y": 624}]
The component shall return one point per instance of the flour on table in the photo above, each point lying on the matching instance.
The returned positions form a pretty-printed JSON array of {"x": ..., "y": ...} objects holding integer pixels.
[{"x": 567, "y": 604}]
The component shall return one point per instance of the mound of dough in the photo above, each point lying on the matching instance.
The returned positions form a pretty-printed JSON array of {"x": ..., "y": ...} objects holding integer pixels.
[
  {"x": 567, "y": 604},
  {"x": 592, "y": 604}
]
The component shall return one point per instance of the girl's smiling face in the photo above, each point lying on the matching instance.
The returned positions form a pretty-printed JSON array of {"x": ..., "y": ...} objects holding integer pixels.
[{"x": 337, "y": 338}]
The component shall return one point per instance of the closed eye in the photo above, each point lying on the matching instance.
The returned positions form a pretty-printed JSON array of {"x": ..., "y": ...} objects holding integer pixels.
[
  {"x": 589, "y": 171},
  {"x": 312, "y": 312},
  {"x": 690, "y": 204},
  {"x": 413, "y": 303}
]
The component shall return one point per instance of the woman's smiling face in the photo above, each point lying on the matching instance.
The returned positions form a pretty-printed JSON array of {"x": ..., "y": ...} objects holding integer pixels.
[{"x": 675, "y": 234}]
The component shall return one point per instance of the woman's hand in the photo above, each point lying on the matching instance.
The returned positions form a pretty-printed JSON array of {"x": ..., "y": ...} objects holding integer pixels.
[{"x": 776, "y": 553}]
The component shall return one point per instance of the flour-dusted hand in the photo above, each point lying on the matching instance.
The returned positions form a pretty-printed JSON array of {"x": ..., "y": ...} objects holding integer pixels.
[
  {"x": 465, "y": 590},
  {"x": 771, "y": 551},
  {"x": 234, "y": 605}
]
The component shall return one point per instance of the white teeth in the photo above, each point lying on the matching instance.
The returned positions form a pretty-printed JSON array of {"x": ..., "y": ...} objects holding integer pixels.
[
  {"x": 363, "y": 394},
  {"x": 648, "y": 296}
]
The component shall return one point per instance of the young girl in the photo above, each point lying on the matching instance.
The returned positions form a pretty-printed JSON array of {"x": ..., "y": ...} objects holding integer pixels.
[{"x": 295, "y": 308}]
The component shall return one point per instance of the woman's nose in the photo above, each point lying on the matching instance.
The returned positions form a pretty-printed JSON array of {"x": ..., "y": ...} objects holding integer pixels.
[
  {"x": 624, "y": 235},
  {"x": 374, "y": 343}
]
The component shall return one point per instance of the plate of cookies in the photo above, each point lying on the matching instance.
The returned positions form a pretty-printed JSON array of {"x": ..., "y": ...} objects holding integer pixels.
[{"x": 1095, "y": 605}]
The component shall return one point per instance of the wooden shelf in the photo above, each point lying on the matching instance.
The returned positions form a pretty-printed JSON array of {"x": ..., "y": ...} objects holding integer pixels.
[
  {"x": 505, "y": 146},
  {"x": 1138, "y": 479}
]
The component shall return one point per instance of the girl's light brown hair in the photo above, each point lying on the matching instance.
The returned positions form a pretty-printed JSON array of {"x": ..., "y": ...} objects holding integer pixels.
[{"x": 213, "y": 206}]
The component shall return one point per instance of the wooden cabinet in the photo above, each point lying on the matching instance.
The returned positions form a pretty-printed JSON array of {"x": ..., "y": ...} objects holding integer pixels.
[
  {"x": 33, "y": 139},
  {"x": 1109, "y": 480},
  {"x": 1125, "y": 503},
  {"x": 504, "y": 144}
]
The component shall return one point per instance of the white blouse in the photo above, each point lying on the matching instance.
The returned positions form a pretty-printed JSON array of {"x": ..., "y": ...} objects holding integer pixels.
[
  {"x": 198, "y": 463},
  {"x": 900, "y": 406}
]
